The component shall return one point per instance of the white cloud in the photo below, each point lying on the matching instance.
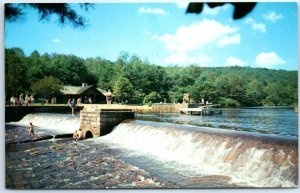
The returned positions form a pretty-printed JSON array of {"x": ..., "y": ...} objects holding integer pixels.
[
  {"x": 198, "y": 35},
  {"x": 156, "y": 11},
  {"x": 272, "y": 16},
  {"x": 233, "y": 61},
  {"x": 55, "y": 40},
  {"x": 234, "y": 39},
  {"x": 260, "y": 27},
  {"x": 183, "y": 4},
  {"x": 268, "y": 59},
  {"x": 256, "y": 26},
  {"x": 214, "y": 11}
]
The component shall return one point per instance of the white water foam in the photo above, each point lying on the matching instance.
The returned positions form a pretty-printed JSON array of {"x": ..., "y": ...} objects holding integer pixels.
[
  {"x": 51, "y": 123},
  {"x": 204, "y": 154}
]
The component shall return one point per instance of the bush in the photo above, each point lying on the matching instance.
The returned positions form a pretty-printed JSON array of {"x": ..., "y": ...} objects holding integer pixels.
[
  {"x": 231, "y": 103},
  {"x": 151, "y": 98}
]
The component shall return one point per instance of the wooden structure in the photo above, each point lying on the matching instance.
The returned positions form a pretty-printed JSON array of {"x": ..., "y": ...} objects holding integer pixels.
[
  {"x": 83, "y": 92},
  {"x": 201, "y": 110}
]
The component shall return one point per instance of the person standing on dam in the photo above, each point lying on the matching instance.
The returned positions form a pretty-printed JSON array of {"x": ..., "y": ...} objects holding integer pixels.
[
  {"x": 109, "y": 98},
  {"x": 73, "y": 106},
  {"x": 31, "y": 130}
]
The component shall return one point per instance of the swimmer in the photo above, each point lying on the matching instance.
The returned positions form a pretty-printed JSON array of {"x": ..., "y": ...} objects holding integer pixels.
[
  {"x": 78, "y": 134},
  {"x": 75, "y": 135}
]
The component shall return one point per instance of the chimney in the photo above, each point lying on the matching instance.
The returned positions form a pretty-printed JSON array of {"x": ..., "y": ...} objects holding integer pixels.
[{"x": 84, "y": 85}]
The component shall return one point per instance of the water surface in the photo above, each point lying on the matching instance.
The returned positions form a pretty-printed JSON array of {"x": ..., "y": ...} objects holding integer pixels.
[{"x": 281, "y": 122}]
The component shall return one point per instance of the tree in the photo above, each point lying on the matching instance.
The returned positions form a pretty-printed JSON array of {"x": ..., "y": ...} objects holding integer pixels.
[
  {"x": 64, "y": 12},
  {"x": 241, "y": 9},
  {"x": 35, "y": 67},
  {"x": 145, "y": 78},
  {"x": 47, "y": 87},
  {"x": 204, "y": 87},
  {"x": 141, "y": 82},
  {"x": 151, "y": 98},
  {"x": 229, "y": 103},
  {"x": 123, "y": 89},
  {"x": 276, "y": 94},
  {"x": 255, "y": 93},
  {"x": 70, "y": 70},
  {"x": 236, "y": 88},
  {"x": 102, "y": 70},
  {"x": 15, "y": 72}
]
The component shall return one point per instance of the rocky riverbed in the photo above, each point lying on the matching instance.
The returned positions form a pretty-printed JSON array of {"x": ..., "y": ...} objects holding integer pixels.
[{"x": 47, "y": 163}]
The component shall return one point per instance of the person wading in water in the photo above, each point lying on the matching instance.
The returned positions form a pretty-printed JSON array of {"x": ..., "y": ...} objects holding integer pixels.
[{"x": 31, "y": 130}]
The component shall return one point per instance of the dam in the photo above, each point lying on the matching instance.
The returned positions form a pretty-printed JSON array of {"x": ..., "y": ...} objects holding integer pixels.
[
  {"x": 242, "y": 148},
  {"x": 94, "y": 120}
]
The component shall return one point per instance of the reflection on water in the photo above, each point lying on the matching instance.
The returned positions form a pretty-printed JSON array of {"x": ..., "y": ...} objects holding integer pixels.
[{"x": 283, "y": 122}]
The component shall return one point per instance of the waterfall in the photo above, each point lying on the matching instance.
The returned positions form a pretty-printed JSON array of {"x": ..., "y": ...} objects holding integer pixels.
[
  {"x": 53, "y": 123},
  {"x": 254, "y": 160}
]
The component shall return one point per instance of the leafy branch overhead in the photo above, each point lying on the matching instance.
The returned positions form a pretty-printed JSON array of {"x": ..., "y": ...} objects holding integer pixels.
[
  {"x": 64, "y": 12},
  {"x": 241, "y": 9},
  {"x": 67, "y": 14}
]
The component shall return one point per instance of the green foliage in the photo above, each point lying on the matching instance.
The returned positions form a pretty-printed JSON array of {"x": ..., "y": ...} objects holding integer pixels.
[
  {"x": 204, "y": 87},
  {"x": 15, "y": 69},
  {"x": 151, "y": 98},
  {"x": 47, "y": 86},
  {"x": 145, "y": 78},
  {"x": 70, "y": 70},
  {"x": 103, "y": 72},
  {"x": 64, "y": 12},
  {"x": 229, "y": 103},
  {"x": 140, "y": 82},
  {"x": 123, "y": 89}
]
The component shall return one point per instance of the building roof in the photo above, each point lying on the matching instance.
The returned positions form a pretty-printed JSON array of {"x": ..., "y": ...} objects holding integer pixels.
[
  {"x": 77, "y": 90},
  {"x": 83, "y": 89},
  {"x": 70, "y": 89}
]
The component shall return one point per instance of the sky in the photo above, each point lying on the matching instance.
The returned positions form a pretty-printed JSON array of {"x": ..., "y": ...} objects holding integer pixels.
[{"x": 163, "y": 34}]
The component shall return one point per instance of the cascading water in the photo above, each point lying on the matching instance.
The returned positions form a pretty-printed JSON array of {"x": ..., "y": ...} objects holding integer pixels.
[
  {"x": 250, "y": 160},
  {"x": 52, "y": 123},
  {"x": 194, "y": 153}
]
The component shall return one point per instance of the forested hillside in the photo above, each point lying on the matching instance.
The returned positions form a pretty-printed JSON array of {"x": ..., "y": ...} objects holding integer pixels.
[{"x": 139, "y": 82}]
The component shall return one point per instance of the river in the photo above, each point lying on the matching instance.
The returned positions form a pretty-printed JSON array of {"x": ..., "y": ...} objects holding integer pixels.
[{"x": 240, "y": 148}]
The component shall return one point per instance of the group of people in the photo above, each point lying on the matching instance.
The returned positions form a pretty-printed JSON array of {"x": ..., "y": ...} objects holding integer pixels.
[
  {"x": 86, "y": 100},
  {"x": 73, "y": 104},
  {"x": 22, "y": 100},
  {"x": 77, "y": 135}
]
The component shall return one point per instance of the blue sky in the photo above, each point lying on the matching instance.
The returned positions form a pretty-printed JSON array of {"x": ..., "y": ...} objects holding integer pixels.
[{"x": 164, "y": 35}]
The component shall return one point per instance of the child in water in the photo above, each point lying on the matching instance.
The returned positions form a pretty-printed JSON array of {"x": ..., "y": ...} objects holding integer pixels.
[
  {"x": 78, "y": 135},
  {"x": 31, "y": 130}
]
